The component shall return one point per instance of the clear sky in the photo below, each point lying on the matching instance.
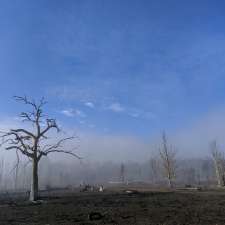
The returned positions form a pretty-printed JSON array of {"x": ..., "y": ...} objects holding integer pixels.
[{"x": 130, "y": 67}]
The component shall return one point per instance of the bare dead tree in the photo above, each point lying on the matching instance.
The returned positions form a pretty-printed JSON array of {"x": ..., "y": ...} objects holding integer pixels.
[
  {"x": 15, "y": 171},
  {"x": 154, "y": 170},
  {"x": 206, "y": 169},
  {"x": 168, "y": 157},
  {"x": 219, "y": 163},
  {"x": 34, "y": 143},
  {"x": 25, "y": 178},
  {"x": 122, "y": 172},
  {"x": 2, "y": 166}
]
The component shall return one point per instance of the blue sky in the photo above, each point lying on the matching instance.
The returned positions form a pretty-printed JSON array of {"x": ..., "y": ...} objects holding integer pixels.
[{"x": 118, "y": 67}]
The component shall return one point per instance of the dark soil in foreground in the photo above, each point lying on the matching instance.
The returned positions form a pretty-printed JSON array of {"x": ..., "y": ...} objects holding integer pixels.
[{"x": 164, "y": 208}]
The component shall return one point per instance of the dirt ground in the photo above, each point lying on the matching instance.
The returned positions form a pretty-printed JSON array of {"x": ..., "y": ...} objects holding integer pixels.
[{"x": 145, "y": 208}]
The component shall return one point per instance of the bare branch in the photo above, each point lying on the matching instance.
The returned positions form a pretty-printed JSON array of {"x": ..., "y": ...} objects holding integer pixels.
[
  {"x": 23, "y": 131},
  {"x": 27, "y": 117},
  {"x": 63, "y": 151},
  {"x": 51, "y": 123},
  {"x": 50, "y": 148},
  {"x": 20, "y": 149},
  {"x": 25, "y": 100}
]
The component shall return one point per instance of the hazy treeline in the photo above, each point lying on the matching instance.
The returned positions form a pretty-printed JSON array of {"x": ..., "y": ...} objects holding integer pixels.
[{"x": 64, "y": 174}]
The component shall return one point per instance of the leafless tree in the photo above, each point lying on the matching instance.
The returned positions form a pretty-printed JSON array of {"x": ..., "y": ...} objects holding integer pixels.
[
  {"x": 154, "y": 169},
  {"x": 122, "y": 172},
  {"x": 25, "y": 176},
  {"x": 34, "y": 142},
  {"x": 206, "y": 169},
  {"x": 15, "y": 170},
  {"x": 219, "y": 163},
  {"x": 2, "y": 166},
  {"x": 168, "y": 157}
]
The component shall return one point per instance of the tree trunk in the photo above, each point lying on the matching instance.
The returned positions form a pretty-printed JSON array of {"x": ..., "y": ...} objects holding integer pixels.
[
  {"x": 170, "y": 183},
  {"x": 218, "y": 176},
  {"x": 34, "y": 181}
]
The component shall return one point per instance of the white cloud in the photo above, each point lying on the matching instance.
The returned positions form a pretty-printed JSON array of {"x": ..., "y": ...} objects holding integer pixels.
[
  {"x": 116, "y": 107},
  {"x": 89, "y": 104},
  {"x": 141, "y": 114},
  {"x": 73, "y": 113},
  {"x": 135, "y": 115},
  {"x": 68, "y": 113},
  {"x": 131, "y": 111},
  {"x": 82, "y": 122},
  {"x": 134, "y": 112}
]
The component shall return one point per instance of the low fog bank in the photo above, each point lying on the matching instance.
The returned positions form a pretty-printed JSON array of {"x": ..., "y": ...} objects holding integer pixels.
[
  {"x": 191, "y": 140},
  {"x": 69, "y": 173}
]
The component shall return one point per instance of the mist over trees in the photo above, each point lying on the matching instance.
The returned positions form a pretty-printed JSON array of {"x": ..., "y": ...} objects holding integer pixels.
[
  {"x": 62, "y": 174},
  {"x": 162, "y": 167}
]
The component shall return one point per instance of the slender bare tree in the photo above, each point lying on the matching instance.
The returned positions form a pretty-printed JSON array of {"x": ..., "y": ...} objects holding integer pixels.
[
  {"x": 15, "y": 172},
  {"x": 34, "y": 141},
  {"x": 122, "y": 172},
  {"x": 154, "y": 170},
  {"x": 206, "y": 168},
  {"x": 168, "y": 157},
  {"x": 2, "y": 167},
  {"x": 219, "y": 163}
]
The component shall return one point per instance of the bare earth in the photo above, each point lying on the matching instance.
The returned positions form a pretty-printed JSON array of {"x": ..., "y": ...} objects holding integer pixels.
[{"x": 162, "y": 207}]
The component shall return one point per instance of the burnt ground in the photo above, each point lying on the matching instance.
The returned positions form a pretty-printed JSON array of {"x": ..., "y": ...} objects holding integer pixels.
[{"x": 164, "y": 208}]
